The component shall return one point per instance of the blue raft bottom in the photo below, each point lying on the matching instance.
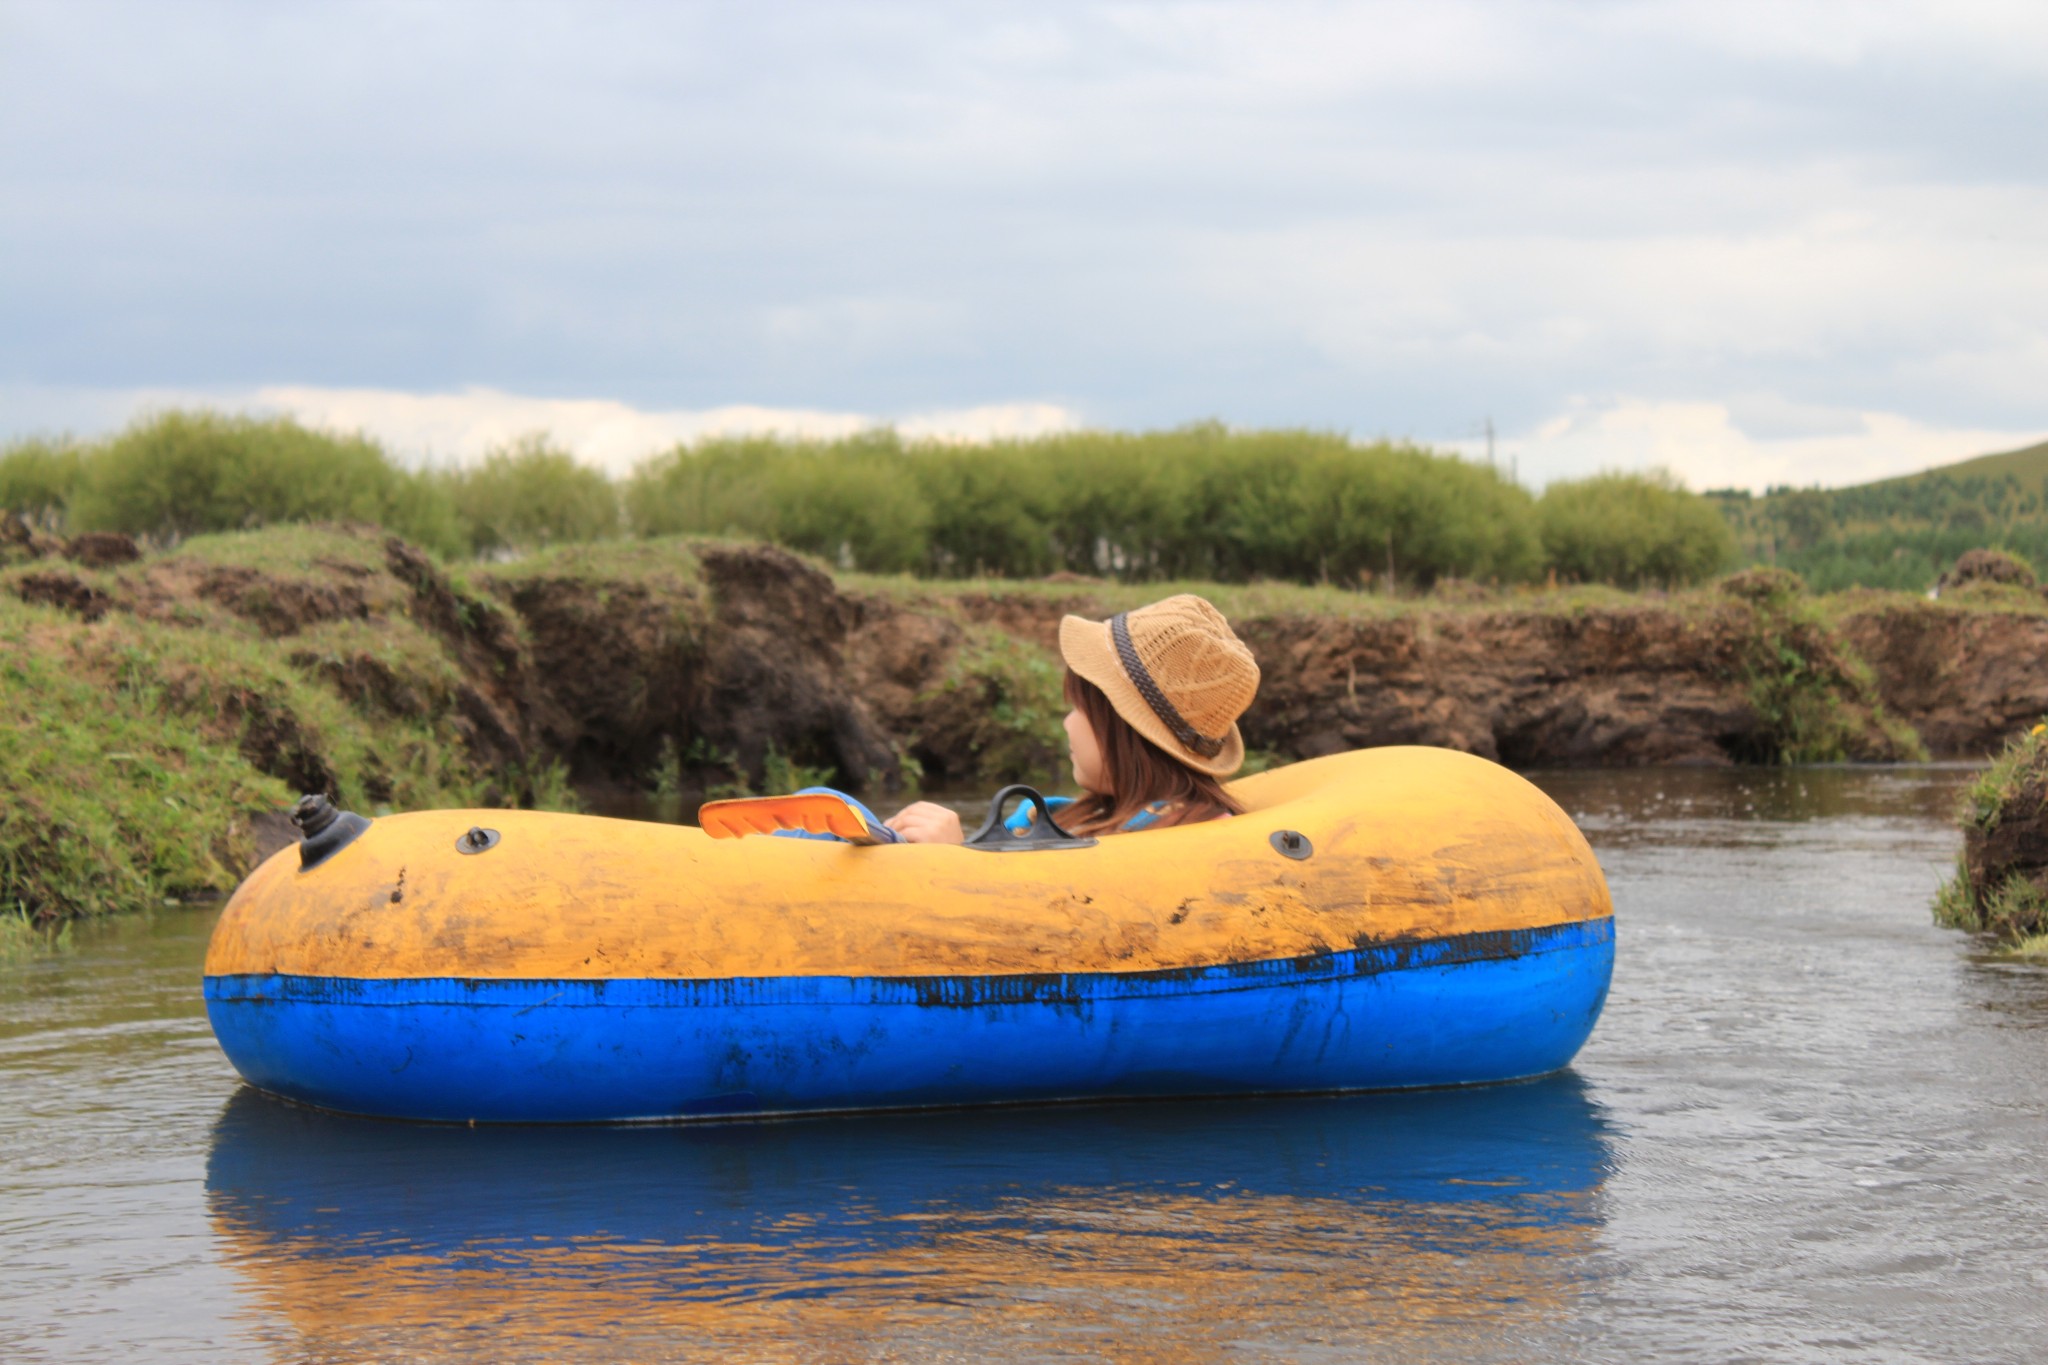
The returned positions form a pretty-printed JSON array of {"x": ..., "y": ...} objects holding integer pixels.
[{"x": 1453, "y": 1011}]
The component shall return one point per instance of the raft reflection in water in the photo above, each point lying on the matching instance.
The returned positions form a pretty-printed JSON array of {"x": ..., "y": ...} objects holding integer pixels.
[{"x": 1454, "y": 1221}]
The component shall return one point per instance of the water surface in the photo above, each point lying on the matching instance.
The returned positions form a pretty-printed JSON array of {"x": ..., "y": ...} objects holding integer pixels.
[{"x": 1810, "y": 1127}]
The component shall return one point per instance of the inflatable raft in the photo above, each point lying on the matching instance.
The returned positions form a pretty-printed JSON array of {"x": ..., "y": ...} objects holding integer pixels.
[{"x": 1385, "y": 919}]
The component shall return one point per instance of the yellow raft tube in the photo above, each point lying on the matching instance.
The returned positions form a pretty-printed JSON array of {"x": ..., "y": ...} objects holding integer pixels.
[{"x": 1381, "y": 919}]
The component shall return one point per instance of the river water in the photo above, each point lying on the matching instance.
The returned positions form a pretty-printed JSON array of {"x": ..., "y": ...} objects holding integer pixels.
[{"x": 1811, "y": 1126}]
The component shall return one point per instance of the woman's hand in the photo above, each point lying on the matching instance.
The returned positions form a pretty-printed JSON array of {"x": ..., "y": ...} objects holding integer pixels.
[{"x": 926, "y": 822}]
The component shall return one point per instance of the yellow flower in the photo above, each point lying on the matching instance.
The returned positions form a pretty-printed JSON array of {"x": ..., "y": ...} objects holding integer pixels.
[{"x": 2039, "y": 730}]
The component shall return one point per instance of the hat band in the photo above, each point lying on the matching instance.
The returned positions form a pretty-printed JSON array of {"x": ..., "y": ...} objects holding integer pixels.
[{"x": 1127, "y": 654}]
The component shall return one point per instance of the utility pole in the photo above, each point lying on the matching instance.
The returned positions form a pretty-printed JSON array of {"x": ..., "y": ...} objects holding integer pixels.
[{"x": 1489, "y": 439}]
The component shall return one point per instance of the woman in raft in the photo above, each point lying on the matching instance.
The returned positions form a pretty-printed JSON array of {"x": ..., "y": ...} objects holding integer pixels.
[{"x": 1156, "y": 694}]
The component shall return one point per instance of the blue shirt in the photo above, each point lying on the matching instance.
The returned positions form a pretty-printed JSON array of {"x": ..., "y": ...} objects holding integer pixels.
[{"x": 1026, "y": 815}]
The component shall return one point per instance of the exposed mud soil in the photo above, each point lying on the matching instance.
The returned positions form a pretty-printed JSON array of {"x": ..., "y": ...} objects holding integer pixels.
[
  {"x": 2015, "y": 846},
  {"x": 1965, "y": 680},
  {"x": 67, "y": 591},
  {"x": 712, "y": 671},
  {"x": 745, "y": 653},
  {"x": 1619, "y": 686}
]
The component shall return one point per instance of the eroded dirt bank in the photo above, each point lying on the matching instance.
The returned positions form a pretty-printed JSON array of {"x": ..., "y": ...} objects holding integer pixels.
[
  {"x": 616, "y": 659},
  {"x": 852, "y": 676},
  {"x": 1724, "y": 676},
  {"x": 237, "y": 670}
]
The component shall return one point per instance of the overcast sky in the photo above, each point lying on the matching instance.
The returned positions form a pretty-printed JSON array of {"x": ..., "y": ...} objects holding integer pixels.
[{"x": 1759, "y": 243}]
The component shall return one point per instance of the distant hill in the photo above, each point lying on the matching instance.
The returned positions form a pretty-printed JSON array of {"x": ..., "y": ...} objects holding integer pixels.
[
  {"x": 2029, "y": 467},
  {"x": 1899, "y": 532}
]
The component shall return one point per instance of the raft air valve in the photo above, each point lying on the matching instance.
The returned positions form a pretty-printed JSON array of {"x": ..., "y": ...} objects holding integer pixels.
[
  {"x": 1292, "y": 843},
  {"x": 477, "y": 840},
  {"x": 326, "y": 830}
]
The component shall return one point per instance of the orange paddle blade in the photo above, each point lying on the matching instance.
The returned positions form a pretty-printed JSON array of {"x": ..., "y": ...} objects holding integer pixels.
[{"x": 814, "y": 813}]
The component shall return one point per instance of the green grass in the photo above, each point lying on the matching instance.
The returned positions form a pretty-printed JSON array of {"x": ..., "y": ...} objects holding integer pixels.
[
  {"x": 1953, "y": 906},
  {"x": 137, "y": 750},
  {"x": 1003, "y": 700},
  {"x": 21, "y": 938},
  {"x": 1975, "y": 600},
  {"x": 1251, "y": 601},
  {"x": 2033, "y": 948},
  {"x": 1991, "y": 795},
  {"x": 118, "y": 795},
  {"x": 666, "y": 561},
  {"x": 2029, "y": 465},
  {"x": 305, "y": 549},
  {"x": 782, "y": 774},
  {"x": 2015, "y": 910},
  {"x": 2008, "y": 788}
]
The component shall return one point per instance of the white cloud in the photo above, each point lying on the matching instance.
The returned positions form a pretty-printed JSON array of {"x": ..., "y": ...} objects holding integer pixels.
[
  {"x": 1707, "y": 446},
  {"x": 1844, "y": 32},
  {"x": 1818, "y": 292},
  {"x": 462, "y": 427},
  {"x": 1383, "y": 218},
  {"x": 994, "y": 422}
]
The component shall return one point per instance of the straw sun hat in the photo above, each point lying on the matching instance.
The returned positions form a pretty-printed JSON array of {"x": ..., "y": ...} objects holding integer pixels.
[{"x": 1176, "y": 672}]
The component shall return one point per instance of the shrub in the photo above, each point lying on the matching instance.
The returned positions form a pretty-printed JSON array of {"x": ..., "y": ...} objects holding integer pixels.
[
  {"x": 852, "y": 503},
  {"x": 1633, "y": 530},
  {"x": 1416, "y": 517},
  {"x": 856, "y": 505},
  {"x": 1988, "y": 566},
  {"x": 1197, "y": 502},
  {"x": 1203, "y": 502},
  {"x": 38, "y": 478},
  {"x": 992, "y": 511},
  {"x": 1120, "y": 504},
  {"x": 529, "y": 496},
  {"x": 184, "y": 473}
]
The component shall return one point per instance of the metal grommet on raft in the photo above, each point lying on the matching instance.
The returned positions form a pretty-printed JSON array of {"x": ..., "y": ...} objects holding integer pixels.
[
  {"x": 477, "y": 840},
  {"x": 1292, "y": 844}
]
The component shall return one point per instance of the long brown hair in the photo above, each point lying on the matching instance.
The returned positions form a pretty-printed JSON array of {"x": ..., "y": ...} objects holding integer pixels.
[{"x": 1137, "y": 773}]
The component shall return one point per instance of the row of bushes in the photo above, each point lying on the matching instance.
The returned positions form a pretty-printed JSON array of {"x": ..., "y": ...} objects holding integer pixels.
[{"x": 1200, "y": 502}]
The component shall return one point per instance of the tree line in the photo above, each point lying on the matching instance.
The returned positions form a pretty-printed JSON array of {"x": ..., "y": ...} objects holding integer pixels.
[
  {"x": 1900, "y": 533},
  {"x": 1197, "y": 502}
]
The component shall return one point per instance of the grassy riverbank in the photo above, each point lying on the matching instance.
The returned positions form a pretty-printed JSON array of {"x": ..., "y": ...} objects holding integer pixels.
[
  {"x": 159, "y": 713},
  {"x": 156, "y": 717},
  {"x": 2000, "y": 886}
]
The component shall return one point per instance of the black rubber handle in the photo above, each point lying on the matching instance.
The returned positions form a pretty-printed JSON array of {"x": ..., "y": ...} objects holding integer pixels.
[{"x": 1045, "y": 832}]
